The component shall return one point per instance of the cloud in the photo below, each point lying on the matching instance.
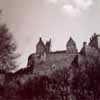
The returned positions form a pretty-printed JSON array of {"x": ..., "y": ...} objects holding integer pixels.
[
  {"x": 71, "y": 10},
  {"x": 83, "y": 4},
  {"x": 73, "y": 7},
  {"x": 53, "y": 1}
]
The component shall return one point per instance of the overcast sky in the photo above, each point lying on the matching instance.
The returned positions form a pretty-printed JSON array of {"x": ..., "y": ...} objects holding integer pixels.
[{"x": 55, "y": 19}]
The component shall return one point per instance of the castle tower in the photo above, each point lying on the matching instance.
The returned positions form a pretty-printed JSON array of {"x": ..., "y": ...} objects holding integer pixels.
[
  {"x": 48, "y": 46},
  {"x": 95, "y": 41},
  {"x": 41, "y": 51},
  {"x": 71, "y": 46},
  {"x": 40, "y": 47},
  {"x": 83, "y": 50}
]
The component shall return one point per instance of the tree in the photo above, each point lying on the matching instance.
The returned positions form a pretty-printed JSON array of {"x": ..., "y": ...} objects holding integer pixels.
[
  {"x": 53, "y": 87},
  {"x": 59, "y": 84},
  {"x": 86, "y": 83},
  {"x": 35, "y": 88},
  {"x": 7, "y": 49}
]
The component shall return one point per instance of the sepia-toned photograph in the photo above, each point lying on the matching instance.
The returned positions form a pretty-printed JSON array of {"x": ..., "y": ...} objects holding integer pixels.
[{"x": 49, "y": 49}]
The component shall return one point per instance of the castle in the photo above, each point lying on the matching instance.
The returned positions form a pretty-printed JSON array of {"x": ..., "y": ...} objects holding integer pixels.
[
  {"x": 88, "y": 55},
  {"x": 45, "y": 59}
]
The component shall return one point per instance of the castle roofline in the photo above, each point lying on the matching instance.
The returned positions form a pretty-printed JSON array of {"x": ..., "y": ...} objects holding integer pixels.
[{"x": 55, "y": 52}]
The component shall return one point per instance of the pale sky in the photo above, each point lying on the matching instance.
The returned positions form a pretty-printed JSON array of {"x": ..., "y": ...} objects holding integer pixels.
[{"x": 55, "y": 19}]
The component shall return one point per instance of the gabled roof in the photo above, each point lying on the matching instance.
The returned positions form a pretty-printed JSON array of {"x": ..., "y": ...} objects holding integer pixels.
[{"x": 41, "y": 42}]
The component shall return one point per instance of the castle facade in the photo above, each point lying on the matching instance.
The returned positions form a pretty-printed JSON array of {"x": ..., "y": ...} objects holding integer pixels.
[{"x": 44, "y": 59}]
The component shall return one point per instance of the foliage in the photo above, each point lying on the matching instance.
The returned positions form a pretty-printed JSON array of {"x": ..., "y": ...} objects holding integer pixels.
[
  {"x": 59, "y": 84},
  {"x": 53, "y": 87},
  {"x": 86, "y": 83},
  {"x": 7, "y": 49}
]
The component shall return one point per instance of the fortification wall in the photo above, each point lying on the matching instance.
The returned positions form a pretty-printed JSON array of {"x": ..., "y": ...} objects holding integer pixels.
[
  {"x": 55, "y": 61},
  {"x": 60, "y": 59}
]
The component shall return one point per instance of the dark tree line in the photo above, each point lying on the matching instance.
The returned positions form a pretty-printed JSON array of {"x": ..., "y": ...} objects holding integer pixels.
[
  {"x": 7, "y": 49},
  {"x": 53, "y": 87}
]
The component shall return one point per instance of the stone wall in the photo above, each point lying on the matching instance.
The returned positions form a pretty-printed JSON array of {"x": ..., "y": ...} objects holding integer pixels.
[{"x": 54, "y": 61}]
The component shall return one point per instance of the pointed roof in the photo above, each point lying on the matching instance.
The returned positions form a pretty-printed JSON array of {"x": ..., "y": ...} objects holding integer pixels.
[
  {"x": 40, "y": 42},
  {"x": 71, "y": 42}
]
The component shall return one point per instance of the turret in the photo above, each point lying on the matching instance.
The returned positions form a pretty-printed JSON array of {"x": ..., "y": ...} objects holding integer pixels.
[
  {"x": 95, "y": 41},
  {"x": 40, "y": 47},
  {"x": 41, "y": 51},
  {"x": 83, "y": 50},
  {"x": 71, "y": 46},
  {"x": 48, "y": 46}
]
